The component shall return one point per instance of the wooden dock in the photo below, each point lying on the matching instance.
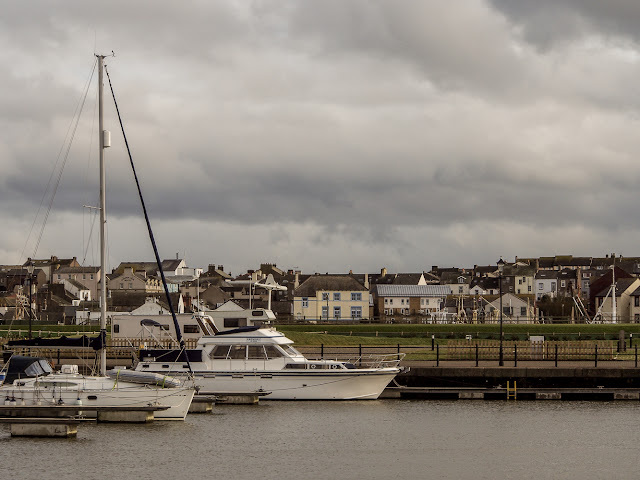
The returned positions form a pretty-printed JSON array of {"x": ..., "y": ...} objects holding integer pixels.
[{"x": 503, "y": 393}]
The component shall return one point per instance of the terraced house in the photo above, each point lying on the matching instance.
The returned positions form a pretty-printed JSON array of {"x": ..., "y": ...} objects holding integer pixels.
[{"x": 337, "y": 297}]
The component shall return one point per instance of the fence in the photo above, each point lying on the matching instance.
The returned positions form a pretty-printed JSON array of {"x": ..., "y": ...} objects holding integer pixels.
[
  {"x": 587, "y": 353},
  {"x": 470, "y": 353}
]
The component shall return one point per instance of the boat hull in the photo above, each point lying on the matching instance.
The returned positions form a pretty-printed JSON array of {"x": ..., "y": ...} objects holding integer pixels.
[
  {"x": 104, "y": 394},
  {"x": 356, "y": 384}
]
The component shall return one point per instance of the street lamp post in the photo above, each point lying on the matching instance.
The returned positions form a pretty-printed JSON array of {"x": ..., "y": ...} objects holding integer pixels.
[
  {"x": 30, "y": 283},
  {"x": 500, "y": 270}
]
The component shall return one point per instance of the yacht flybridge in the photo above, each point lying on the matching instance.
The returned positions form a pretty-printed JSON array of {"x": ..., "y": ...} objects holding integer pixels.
[{"x": 255, "y": 359}]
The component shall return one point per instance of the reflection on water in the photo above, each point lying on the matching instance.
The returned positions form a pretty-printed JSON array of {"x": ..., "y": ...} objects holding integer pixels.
[{"x": 329, "y": 440}]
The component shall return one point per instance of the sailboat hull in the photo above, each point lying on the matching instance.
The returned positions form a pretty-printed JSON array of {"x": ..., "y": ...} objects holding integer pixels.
[{"x": 98, "y": 392}]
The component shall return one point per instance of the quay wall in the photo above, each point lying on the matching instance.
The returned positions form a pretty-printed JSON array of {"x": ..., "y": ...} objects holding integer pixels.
[{"x": 526, "y": 377}]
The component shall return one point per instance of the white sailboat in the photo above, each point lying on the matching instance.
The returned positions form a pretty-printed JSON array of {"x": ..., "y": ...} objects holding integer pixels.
[{"x": 39, "y": 385}]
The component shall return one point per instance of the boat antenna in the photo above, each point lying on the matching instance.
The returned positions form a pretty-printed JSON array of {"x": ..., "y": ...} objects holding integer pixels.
[{"x": 151, "y": 237}]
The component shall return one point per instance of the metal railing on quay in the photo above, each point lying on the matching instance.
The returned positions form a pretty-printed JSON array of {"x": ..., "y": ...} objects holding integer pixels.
[{"x": 585, "y": 353}]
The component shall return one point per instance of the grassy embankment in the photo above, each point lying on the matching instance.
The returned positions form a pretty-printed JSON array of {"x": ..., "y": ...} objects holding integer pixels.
[{"x": 395, "y": 334}]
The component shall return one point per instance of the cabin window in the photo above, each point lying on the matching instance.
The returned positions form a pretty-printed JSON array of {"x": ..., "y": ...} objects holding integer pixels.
[
  {"x": 219, "y": 351},
  {"x": 116, "y": 327},
  {"x": 165, "y": 326},
  {"x": 231, "y": 322},
  {"x": 191, "y": 329},
  {"x": 257, "y": 313},
  {"x": 255, "y": 352},
  {"x": 238, "y": 352},
  {"x": 272, "y": 352}
]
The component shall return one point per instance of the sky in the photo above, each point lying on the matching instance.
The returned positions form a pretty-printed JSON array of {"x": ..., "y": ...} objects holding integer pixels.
[{"x": 323, "y": 135}]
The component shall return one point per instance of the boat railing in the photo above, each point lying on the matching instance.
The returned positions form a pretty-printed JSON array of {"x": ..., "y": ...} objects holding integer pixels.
[{"x": 391, "y": 360}]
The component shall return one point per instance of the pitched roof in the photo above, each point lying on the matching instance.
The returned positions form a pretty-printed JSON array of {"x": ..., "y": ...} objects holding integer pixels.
[
  {"x": 622, "y": 284},
  {"x": 67, "y": 270},
  {"x": 413, "y": 290},
  {"x": 334, "y": 283}
]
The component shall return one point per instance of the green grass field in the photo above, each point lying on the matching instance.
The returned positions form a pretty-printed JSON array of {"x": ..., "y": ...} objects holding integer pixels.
[
  {"x": 392, "y": 334},
  {"x": 411, "y": 334}
]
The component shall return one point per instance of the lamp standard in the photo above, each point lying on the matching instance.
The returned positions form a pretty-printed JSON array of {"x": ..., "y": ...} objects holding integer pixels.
[
  {"x": 30, "y": 283},
  {"x": 500, "y": 270}
]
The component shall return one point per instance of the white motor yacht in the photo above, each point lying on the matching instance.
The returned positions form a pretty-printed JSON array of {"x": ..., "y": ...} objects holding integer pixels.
[{"x": 254, "y": 359}]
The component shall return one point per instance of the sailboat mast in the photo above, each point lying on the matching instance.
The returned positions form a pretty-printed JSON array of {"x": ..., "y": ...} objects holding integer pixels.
[{"x": 104, "y": 143}]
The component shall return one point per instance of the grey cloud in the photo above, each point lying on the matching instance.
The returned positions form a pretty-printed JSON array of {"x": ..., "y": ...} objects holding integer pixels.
[{"x": 548, "y": 22}]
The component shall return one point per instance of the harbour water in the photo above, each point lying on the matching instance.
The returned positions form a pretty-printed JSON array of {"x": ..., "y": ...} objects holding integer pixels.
[{"x": 383, "y": 439}]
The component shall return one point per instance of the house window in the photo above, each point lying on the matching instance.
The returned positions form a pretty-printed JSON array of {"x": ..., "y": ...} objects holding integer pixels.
[
  {"x": 325, "y": 312},
  {"x": 562, "y": 283},
  {"x": 122, "y": 285},
  {"x": 553, "y": 286},
  {"x": 336, "y": 312},
  {"x": 459, "y": 289},
  {"x": 59, "y": 276},
  {"x": 636, "y": 301},
  {"x": 402, "y": 301},
  {"x": 325, "y": 296},
  {"x": 523, "y": 311},
  {"x": 385, "y": 300},
  {"x": 356, "y": 312},
  {"x": 305, "y": 302},
  {"x": 529, "y": 288},
  {"x": 460, "y": 279},
  {"x": 636, "y": 317},
  {"x": 130, "y": 285},
  {"x": 84, "y": 276},
  {"x": 356, "y": 296},
  {"x": 520, "y": 281},
  {"x": 336, "y": 296},
  {"x": 91, "y": 276},
  {"x": 540, "y": 286}
]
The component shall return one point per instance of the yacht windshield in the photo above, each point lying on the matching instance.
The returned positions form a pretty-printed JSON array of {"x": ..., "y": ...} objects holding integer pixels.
[
  {"x": 292, "y": 352},
  {"x": 41, "y": 367}
]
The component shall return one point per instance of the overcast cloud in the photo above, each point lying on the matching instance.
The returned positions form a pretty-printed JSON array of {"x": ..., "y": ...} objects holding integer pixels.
[{"x": 327, "y": 135}]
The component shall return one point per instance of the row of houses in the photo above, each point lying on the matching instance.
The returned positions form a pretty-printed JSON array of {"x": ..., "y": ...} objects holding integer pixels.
[{"x": 62, "y": 290}]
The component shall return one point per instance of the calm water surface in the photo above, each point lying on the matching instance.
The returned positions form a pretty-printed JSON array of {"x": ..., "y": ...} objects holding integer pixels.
[{"x": 384, "y": 439}]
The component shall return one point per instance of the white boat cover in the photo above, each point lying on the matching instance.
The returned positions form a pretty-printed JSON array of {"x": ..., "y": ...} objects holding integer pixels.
[{"x": 146, "y": 378}]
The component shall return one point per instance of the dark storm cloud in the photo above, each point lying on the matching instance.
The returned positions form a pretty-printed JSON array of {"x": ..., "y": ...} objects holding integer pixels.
[
  {"x": 547, "y": 22},
  {"x": 324, "y": 133}
]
